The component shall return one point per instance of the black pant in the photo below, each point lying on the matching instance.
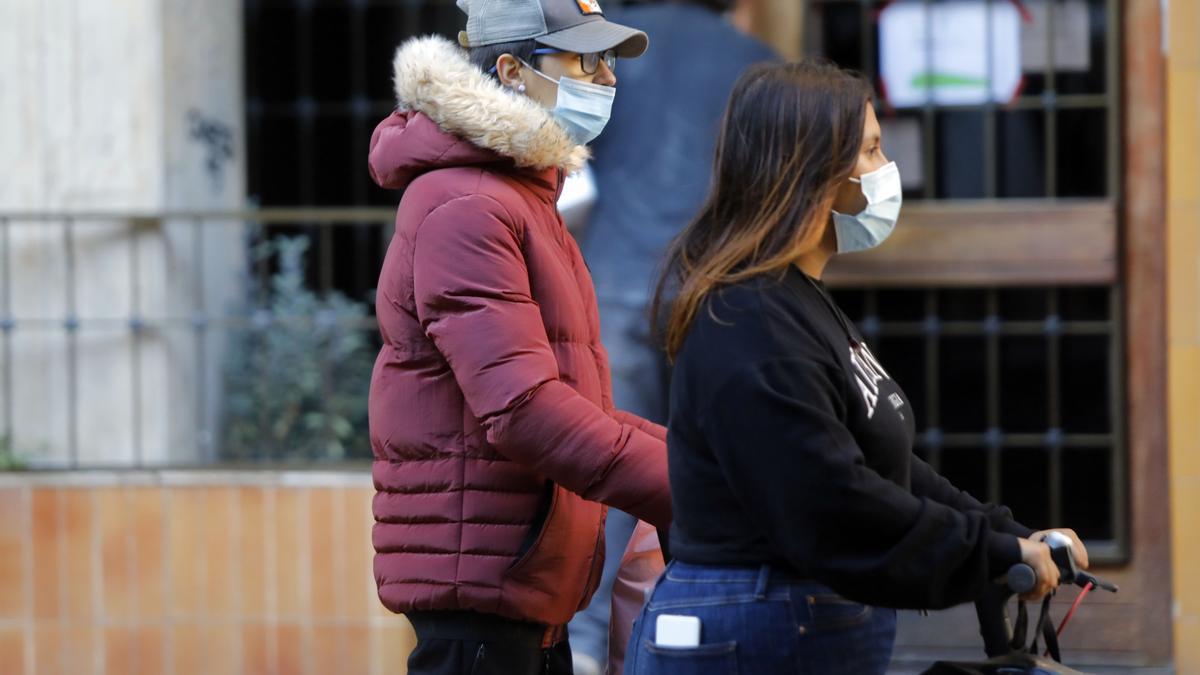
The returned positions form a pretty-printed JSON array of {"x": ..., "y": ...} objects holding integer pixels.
[{"x": 469, "y": 643}]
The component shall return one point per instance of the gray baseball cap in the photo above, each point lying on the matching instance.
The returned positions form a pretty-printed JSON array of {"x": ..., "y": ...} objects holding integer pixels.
[{"x": 569, "y": 25}]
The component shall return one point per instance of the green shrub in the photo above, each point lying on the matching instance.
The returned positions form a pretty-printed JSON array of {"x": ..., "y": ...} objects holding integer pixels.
[{"x": 296, "y": 380}]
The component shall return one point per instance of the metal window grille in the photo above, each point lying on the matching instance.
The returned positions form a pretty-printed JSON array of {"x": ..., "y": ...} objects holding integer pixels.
[
  {"x": 1018, "y": 395},
  {"x": 1018, "y": 391},
  {"x": 190, "y": 323}
]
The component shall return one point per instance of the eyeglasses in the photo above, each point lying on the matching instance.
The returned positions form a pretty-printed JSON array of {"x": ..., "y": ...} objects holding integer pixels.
[{"x": 590, "y": 62}]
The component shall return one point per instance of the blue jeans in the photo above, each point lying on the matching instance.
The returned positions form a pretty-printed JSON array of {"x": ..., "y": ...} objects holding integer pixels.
[{"x": 760, "y": 621}]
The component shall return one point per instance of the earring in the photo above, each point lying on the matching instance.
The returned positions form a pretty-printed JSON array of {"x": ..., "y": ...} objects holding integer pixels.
[{"x": 521, "y": 87}]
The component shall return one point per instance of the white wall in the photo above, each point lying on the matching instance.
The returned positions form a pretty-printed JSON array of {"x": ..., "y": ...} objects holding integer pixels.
[{"x": 99, "y": 104}]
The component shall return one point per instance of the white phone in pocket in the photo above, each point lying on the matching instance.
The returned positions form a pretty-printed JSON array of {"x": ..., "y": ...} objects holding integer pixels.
[{"x": 672, "y": 630}]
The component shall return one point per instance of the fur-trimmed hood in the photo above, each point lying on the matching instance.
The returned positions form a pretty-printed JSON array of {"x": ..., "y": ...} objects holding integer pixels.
[{"x": 435, "y": 80}]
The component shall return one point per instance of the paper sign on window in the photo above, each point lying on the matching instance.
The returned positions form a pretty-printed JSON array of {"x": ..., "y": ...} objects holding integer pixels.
[{"x": 940, "y": 52}]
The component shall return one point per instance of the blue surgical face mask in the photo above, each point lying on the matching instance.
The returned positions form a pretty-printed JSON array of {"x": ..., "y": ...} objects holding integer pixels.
[
  {"x": 582, "y": 109},
  {"x": 875, "y": 223}
]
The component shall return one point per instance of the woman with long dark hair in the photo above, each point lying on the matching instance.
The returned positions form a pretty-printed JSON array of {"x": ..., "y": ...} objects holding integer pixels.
[{"x": 802, "y": 517}]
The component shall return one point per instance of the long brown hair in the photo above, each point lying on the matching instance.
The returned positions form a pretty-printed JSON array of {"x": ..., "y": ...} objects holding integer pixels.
[{"x": 791, "y": 135}]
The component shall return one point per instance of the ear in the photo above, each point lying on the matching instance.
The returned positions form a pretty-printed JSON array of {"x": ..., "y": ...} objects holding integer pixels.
[{"x": 508, "y": 70}]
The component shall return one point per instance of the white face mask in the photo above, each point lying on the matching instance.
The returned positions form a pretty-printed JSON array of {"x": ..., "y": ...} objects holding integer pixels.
[
  {"x": 582, "y": 109},
  {"x": 876, "y": 223}
]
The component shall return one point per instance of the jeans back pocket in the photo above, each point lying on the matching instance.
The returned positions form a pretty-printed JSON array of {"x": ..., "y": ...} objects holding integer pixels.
[
  {"x": 712, "y": 659},
  {"x": 830, "y": 611}
]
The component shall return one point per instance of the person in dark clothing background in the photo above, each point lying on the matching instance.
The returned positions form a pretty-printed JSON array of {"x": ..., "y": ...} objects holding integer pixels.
[
  {"x": 802, "y": 519},
  {"x": 652, "y": 169}
]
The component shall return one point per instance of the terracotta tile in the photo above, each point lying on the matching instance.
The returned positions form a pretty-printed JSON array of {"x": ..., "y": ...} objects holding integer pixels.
[
  {"x": 122, "y": 650},
  {"x": 202, "y": 649},
  {"x": 148, "y": 523},
  {"x": 119, "y": 579},
  {"x": 295, "y": 653},
  {"x": 69, "y": 649},
  {"x": 151, "y": 651},
  {"x": 325, "y": 540},
  {"x": 393, "y": 644},
  {"x": 188, "y": 649},
  {"x": 328, "y": 649},
  {"x": 46, "y": 649},
  {"x": 360, "y": 597},
  {"x": 13, "y": 521},
  {"x": 219, "y": 577},
  {"x": 46, "y": 554},
  {"x": 251, "y": 512},
  {"x": 222, "y": 648},
  {"x": 291, "y": 552},
  {"x": 78, "y": 581},
  {"x": 258, "y": 649},
  {"x": 187, "y": 560},
  {"x": 12, "y": 650},
  {"x": 357, "y": 638}
]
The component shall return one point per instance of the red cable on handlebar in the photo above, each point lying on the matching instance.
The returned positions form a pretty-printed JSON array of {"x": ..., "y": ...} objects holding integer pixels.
[{"x": 1066, "y": 619}]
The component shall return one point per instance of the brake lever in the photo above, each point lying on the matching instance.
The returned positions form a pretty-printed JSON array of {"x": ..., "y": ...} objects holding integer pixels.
[
  {"x": 1082, "y": 579},
  {"x": 1069, "y": 572}
]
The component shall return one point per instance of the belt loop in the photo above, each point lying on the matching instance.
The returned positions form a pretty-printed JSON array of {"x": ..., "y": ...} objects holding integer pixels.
[
  {"x": 760, "y": 589},
  {"x": 553, "y": 635}
]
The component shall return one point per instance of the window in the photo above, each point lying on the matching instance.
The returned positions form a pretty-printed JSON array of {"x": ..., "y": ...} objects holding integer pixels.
[{"x": 1018, "y": 387}]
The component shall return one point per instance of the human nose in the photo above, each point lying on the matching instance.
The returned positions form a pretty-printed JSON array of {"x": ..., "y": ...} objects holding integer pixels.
[{"x": 605, "y": 75}]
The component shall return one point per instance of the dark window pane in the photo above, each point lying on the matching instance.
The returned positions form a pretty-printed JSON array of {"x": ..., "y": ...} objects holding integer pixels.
[
  {"x": 279, "y": 177},
  {"x": 329, "y": 55},
  {"x": 1025, "y": 485},
  {"x": 960, "y": 155},
  {"x": 904, "y": 359},
  {"x": 1082, "y": 159},
  {"x": 1084, "y": 303},
  {"x": 1085, "y": 384},
  {"x": 852, "y": 302},
  {"x": 443, "y": 18},
  {"x": 1023, "y": 304},
  {"x": 271, "y": 47},
  {"x": 1088, "y": 77},
  {"x": 335, "y": 168},
  {"x": 1020, "y": 153},
  {"x": 838, "y": 33},
  {"x": 957, "y": 304},
  {"x": 962, "y": 382},
  {"x": 1024, "y": 397},
  {"x": 967, "y": 469},
  {"x": 385, "y": 31},
  {"x": 901, "y": 305},
  {"x": 1087, "y": 492},
  {"x": 363, "y": 245}
]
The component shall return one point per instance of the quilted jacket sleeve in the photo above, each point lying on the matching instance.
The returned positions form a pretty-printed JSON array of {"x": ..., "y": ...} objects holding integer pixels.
[
  {"x": 473, "y": 300},
  {"x": 656, "y": 430}
]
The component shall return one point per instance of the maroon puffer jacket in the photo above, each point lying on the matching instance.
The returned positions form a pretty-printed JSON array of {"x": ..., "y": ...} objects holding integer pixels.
[{"x": 491, "y": 416}]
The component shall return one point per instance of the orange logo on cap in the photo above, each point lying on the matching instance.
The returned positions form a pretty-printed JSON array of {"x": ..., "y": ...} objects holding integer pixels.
[{"x": 589, "y": 6}]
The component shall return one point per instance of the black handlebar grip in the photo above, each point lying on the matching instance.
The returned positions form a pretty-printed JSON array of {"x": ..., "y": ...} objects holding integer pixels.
[{"x": 1021, "y": 578}]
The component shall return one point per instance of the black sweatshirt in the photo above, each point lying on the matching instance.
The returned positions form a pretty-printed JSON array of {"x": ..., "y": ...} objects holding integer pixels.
[{"x": 790, "y": 445}]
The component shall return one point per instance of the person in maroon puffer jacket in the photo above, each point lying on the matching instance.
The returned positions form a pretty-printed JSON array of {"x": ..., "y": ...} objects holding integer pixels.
[{"x": 495, "y": 439}]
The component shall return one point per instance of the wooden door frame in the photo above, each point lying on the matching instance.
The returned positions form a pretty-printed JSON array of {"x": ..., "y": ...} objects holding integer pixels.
[{"x": 1143, "y": 239}]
